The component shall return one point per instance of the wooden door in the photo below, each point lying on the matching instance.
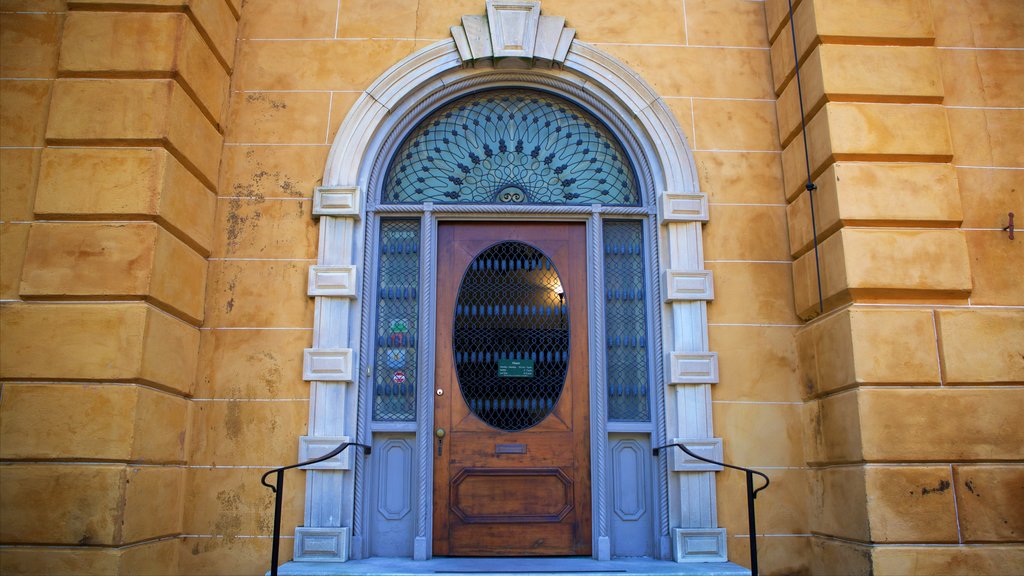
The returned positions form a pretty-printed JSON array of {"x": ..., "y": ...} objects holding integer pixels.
[{"x": 523, "y": 491}]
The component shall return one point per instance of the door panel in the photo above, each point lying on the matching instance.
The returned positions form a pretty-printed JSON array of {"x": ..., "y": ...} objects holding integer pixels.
[{"x": 525, "y": 492}]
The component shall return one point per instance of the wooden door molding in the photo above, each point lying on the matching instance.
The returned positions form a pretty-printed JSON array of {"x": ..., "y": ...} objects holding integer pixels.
[{"x": 522, "y": 492}]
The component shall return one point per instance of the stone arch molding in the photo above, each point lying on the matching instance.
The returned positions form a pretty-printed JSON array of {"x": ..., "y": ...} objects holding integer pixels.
[{"x": 512, "y": 45}]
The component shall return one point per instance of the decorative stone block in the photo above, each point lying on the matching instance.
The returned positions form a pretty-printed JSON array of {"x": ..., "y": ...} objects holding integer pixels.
[
  {"x": 688, "y": 285},
  {"x": 693, "y": 367},
  {"x": 337, "y": 201},
  {"x": 678, "y": 207},
  {"x": 322, "y": 544},
  {"x": 710, "y": 448},
  {"x": 513, "y": 27},
  {"x": 327, "y": 364},
  {"x": 699, "y": 545},
  {"x": 316, "y": 446},
  {"x": 332, "y": 280}
]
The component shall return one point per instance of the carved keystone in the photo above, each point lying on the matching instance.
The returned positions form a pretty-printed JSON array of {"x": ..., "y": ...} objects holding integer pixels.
[{"x": 514, "y": 32}]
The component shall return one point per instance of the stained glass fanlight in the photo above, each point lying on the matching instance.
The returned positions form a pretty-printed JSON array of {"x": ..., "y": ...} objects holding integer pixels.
[{"x": 512, "y": 146}]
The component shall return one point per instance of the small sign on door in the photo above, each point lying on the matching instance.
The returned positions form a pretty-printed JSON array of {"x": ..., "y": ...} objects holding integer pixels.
[{"x": 515, "y": 368}]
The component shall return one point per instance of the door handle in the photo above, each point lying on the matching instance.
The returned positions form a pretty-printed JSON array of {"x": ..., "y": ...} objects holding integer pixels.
[{"x": 440, "y": 440}]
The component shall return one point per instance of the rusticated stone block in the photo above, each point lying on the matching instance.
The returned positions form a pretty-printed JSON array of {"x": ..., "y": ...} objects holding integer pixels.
[
  {"x": 13, "y": 238},
  {"x": 828, "y": 553},
  {"x": 20, "y": 168},
  {"x": 136, "y": 111},
  {"x": 982, "y": 346},
  {"x": 121, "y": 184},
  {"x": 144, "y": 43},
  {"x": 923, "y": 560},
  {"x": 870, "y": 346},
  {"x": 941, "y": 424},
  {"x": 60, "y": 504},
  {"x": 910, "y": 504},
  {"x": 23, "y": 115},
  {"x": 111, "y": 261},
  {"x": 832, "y": 429},
  {"x": 860, "y": 265},
  {"x": 988, "y": 502},
  {"x": 153, "y": 499},
  {"x": 839, "y": 72},
  {"x": 867, "y": 132},
  {"x": 864, "y": 194},
  {"x": 130, "y": 341},
  {"x": 888, "y": 22},
  {"x": 839, "y": 499}
]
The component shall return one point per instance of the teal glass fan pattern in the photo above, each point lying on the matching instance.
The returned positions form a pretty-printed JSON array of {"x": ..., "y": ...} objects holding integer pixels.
[
  {"x": 513, "y": 146},
  {"x": 626, "y": 322},
  {"x": 395, "y": 375}
]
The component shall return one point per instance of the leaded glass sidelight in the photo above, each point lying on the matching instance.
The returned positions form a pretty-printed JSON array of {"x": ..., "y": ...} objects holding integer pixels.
[
  {"x": 395, "y": 375},
  {"x": 511, "y": 336},
  {"x": 512, "y": 146},
  {"x": 625, "y": 322}
]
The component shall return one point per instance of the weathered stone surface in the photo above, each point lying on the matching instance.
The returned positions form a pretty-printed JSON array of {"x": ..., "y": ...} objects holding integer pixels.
[
  {"x": 839, "y": 499},
  {"x": 683, "y": 71},
  {"x": 988, "y": 502},
  {"x": 239, "y": 297},
  {"x": 29, "y": 45},
  {"x": 773, "y": 432},
  {"x": 910, "y": 504},
  {"x": 751, "y": 293},
  {"x": 875, "y": 194},
  {"x": 252, "y": 364},
  {"x": 272, "y": 171},
  {"x": 704, "y": 23},
  {"x": 124, "y": 184},
  {"x": 832, "y": 429},
  {"x": 280, "y": 117},
  {"x": 868, "y": 265},
  {"x": 310, "y": 19},
  {"x": 987, "y": 137},
  {"x": 762, "y": 238},
  {"x": 140, "y": 111},
  {"x": 150, "y": 559},
  {"x": 97, "y": 342},
  {"x": 734, "y": 125},
  {"x": 62, "y": 504},
  {"x": 782, "y": 553},
  {"x": 114, "y": 261},
  {"x": 266, "y": 228},
  {"x": 751, "y": 177},
  {"x": 827, "y": 553},
  {"x": 787, "y": 516},
  {"x": 223, "y": 432},
  {"x": 222, "y": 555},
  {"x": 316, "y": 64},
  {"x": 983, "y": 77},
  {"x": 988, "y": 196},
  {"x": 941, "y": 424},
  {"x": 755, "y": 363},
  {"x": 979, "y": 346},
  {"x": 58, "y": 561},
  {"x": 232, "y": 502},
  {"x": 978, "y": 23}
]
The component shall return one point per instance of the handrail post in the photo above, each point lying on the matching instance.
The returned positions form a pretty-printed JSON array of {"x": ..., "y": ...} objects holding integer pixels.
[
  {"x": 752, "y": 523},
  {"x": 275, "y": 553}
]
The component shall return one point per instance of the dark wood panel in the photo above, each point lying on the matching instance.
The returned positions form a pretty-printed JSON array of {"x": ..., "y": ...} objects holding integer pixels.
[{"x": 531, "y": 503}]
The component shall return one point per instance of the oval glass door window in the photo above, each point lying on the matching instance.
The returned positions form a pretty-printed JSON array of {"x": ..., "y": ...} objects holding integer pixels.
[{"x": 511, "y": 336}]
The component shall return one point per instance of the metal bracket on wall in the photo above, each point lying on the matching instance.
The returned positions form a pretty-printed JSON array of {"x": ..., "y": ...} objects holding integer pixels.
[{"x": 1009, "y": 227}]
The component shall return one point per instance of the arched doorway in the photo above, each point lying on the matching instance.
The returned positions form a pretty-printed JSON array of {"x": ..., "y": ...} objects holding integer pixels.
[{"x": 389, "y": 506}]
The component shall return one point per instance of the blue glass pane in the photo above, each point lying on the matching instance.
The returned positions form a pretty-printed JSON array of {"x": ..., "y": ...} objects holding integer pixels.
[
  {"x": 395, "y": 377},
  {"x": 625, "y": 322},
  {"x": 513, "y": 146}
]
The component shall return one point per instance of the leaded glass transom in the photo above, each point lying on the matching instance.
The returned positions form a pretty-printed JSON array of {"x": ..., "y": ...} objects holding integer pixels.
[
  {"x": 512, "y": 146},
  {"x": 625, "y": 322},
  {"x": 511, "y": 336},
  {"x": 395, "y": 374}
]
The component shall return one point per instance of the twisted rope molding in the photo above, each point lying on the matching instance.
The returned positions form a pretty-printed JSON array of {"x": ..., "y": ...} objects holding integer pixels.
[
  {"x": 659, "y": 377},
  {"x": 598, "y": 388}
]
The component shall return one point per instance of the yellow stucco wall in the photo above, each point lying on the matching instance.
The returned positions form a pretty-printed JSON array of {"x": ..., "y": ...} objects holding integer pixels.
[{"x": 153, "y": 325}]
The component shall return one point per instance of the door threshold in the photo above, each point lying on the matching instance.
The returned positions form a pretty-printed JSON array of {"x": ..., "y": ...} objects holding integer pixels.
[{"x": 573, "y": 566}]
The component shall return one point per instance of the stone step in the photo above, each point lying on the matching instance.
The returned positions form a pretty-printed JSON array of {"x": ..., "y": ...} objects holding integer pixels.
[{"x": 512, "y": 567}]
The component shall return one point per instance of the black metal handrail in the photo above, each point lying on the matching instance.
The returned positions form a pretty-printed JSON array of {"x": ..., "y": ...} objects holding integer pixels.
[
  {"x": 751, "y": 495},
  {"x": 279, "y": 488}
]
